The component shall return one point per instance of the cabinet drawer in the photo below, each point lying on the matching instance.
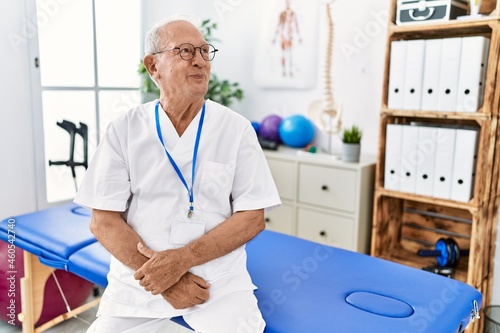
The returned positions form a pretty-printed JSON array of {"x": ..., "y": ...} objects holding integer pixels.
[
  {"x": 326, "y": 228},
  {"x": 284, "y": 176},
  {"x": 329, "y": 187},
  {"x": 281, "y": 219}
]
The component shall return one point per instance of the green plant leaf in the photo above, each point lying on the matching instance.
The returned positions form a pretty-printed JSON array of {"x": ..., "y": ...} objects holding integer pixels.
[{"x": 352, "y": 134}]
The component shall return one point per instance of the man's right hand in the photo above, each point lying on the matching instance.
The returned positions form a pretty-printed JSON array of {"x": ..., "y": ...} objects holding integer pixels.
[{"x": 189, "y": 291}]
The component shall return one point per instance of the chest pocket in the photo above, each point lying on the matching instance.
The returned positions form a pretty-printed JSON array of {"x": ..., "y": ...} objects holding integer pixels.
[{"x": 215, "y": 187}]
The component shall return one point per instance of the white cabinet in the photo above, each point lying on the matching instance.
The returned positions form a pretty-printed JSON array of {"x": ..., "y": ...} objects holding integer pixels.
[
  {"x": 284, "y": 176},
  {"x": 281, "y": 219},
  {"x": 329, "y": 187},
  {"x": 326, "y": 227},
  {"x": 324, "y": 199}
]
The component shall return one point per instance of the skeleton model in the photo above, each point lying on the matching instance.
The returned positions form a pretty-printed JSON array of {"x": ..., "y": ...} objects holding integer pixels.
[{"x": 326, "y": 112}]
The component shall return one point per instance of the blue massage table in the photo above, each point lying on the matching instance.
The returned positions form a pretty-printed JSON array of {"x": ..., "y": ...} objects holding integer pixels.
[{"x": 302, "y": 286}]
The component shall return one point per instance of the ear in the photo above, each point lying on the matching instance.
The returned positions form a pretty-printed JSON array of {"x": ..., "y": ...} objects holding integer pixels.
[{"x": 150, "y": 64}]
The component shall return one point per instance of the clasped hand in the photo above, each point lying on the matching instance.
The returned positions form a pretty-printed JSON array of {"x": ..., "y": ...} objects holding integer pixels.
[
  {"x": 161, "y": 271},
  {"x": 166, "y": 272}
]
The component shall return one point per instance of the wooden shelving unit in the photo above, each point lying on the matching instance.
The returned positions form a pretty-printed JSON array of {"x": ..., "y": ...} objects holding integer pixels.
[{"x": 404, "y": 222}]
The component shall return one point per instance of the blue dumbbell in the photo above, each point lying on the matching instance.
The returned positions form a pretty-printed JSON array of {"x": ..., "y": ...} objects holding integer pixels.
[{"x": 446, "y": 251}]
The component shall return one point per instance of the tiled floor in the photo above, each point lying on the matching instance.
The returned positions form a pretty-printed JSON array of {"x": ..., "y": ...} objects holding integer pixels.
[{"x": 80, "y": 325}]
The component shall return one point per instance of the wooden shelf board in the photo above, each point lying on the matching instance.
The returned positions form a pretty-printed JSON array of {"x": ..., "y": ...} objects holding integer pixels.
[
  {"x": 444, "y": 29},
  {"x": 470, "y": 206},
  {"x": 474, "y": 116}
]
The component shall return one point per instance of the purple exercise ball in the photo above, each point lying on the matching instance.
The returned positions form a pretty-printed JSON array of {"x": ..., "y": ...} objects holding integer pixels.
[{"x": 269, "y": 128}]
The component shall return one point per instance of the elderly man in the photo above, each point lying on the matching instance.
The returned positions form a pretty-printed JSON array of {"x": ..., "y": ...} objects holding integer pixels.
[{"x": 177, "y": 188}]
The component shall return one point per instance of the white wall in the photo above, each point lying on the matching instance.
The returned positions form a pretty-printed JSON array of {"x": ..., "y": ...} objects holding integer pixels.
[
  {"x": 17, "y": 166},
  {"x": 357, "y": 77},
  {"x": 357, "y": 68}
]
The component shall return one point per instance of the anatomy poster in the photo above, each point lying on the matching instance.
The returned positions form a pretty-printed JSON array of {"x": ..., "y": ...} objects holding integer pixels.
[{"x": 287, "y": 49}]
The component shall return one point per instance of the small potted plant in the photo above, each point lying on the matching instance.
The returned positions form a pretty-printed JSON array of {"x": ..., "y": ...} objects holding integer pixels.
[{"x": 351, "y": 143}]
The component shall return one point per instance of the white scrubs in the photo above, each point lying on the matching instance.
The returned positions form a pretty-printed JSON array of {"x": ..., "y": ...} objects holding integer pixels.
[{"x": 131, "y": 173}]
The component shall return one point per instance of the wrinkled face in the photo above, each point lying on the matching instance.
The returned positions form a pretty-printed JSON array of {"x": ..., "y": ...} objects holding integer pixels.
[{"x": 178, "y": 77}]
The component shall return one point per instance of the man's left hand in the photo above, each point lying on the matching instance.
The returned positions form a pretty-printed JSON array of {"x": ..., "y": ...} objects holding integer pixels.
[{"x": 161, "y": 271}]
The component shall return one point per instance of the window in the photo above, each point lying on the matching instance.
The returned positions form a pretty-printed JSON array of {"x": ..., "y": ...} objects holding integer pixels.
[{"x": 88, "y": 55}]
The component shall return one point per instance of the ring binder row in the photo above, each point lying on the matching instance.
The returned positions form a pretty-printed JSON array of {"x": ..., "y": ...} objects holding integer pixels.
[
  {"x": 433, "y": 161},
  {"x": 438, "y": 74}
]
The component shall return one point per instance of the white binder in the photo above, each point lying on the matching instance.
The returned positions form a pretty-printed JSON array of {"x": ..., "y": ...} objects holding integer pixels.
[
  {"x": 464, "y": 165},
  {"x": 430, "y": 80},
  {"x": 427, "y": 144},
  {"x": 448, "y": 75},
  {"x": 409, "y": 159},
  {"x": 472, "y": 73},
  {"x": 483, "y": 73},
  {"x": 396, "y": 75},
  {"x": 392, "y": 172},
  {"x": 443, "y": 167},
  {"x": 414, "y": 67}
]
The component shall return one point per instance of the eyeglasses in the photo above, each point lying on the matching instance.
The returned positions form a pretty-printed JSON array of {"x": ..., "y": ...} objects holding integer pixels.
[{"x": 187, "y": 51}]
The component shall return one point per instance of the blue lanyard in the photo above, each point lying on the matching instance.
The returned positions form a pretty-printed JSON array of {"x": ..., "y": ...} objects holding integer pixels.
[{"x": 195, "y": 154}]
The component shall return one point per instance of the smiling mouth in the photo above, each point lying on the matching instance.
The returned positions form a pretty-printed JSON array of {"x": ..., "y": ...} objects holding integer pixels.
[{"x": 198, "y": 76}]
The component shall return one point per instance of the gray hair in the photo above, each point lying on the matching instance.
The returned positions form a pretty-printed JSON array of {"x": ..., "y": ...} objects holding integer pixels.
[{"x": 152, "y": 41}]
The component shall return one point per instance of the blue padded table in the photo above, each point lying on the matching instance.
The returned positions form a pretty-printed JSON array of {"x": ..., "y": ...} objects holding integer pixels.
[
  {"x": 309, "y": 287},
  {"x": 49, "y": 238},
  {"x": 52, "y": 234},
  {"x": 91, "y": 263},
  {"x": 302, "y": 286}
]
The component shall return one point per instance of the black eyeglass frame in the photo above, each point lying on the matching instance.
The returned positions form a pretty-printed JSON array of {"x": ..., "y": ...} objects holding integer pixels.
[{"x": 210, "y": 55}]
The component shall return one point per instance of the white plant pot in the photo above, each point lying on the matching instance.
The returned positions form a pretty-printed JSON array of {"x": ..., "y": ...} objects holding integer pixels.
[{"x": 351, "y": 152}]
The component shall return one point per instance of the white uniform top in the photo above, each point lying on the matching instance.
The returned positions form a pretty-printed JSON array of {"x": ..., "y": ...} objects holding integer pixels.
[{"x": 131, "y": 173}]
